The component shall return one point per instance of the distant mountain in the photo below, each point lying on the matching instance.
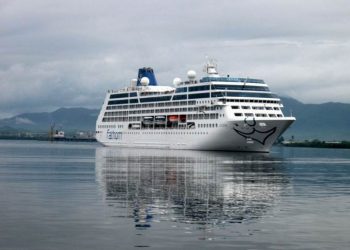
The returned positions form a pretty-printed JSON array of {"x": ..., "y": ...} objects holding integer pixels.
[
  {"x": 328, "y": 121},
  {"x": 68, "y": 119},
  {"x": 7, "y": 129}
]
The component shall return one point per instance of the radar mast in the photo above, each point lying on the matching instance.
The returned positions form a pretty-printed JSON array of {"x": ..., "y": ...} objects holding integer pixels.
[{"x": 211, "y": 67}]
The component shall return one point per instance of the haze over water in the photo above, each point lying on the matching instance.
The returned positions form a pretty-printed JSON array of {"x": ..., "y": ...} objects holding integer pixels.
[{"x": 84, "y": 196}]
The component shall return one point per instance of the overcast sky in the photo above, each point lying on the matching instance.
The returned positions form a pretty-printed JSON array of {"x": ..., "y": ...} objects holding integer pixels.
[{"x": 67, "y": 53}]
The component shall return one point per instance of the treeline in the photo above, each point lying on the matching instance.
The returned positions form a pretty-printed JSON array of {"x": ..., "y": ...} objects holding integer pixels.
[{"x": 318, "y": 144}]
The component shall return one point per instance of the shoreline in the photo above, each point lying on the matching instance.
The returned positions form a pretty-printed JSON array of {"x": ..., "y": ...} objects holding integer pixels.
[
  {"x": 305, "y": 144},
  {"x": 68, "y": 139},
  {"x": 317, "y": 144}
]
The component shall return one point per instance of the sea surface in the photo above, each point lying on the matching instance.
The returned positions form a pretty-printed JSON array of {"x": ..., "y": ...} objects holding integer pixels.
[{"x": 85, "y": 196}]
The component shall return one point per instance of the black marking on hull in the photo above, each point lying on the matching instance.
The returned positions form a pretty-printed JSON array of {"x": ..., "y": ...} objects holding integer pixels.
[{"x": 255, "y": 134}]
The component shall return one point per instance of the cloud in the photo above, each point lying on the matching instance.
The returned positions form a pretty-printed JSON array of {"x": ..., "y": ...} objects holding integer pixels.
[
  {"x": 20, "y": 120},
  {"x": 68, "y": 53}
]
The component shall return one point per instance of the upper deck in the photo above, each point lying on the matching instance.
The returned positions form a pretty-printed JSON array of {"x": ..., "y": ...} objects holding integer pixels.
[
  {"x": 193, "y": 90},
  {"x": 213, "y": 86}
]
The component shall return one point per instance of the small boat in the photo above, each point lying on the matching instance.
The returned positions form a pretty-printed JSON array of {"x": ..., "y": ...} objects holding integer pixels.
[
  {"x": 148, "y": 120},
  {"x": 173, "y": 118},
  {"x": 160, "y": 120}
]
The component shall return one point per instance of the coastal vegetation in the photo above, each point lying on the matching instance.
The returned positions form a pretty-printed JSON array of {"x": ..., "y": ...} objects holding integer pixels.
[{"x": 317, "y": 144}]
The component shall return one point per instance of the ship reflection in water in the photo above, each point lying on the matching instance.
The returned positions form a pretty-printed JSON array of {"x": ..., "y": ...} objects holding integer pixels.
[{"x": 204, "y": 188}]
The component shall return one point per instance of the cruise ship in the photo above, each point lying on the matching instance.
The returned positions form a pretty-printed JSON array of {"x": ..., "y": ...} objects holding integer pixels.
[{"x": 215, "y": 112}]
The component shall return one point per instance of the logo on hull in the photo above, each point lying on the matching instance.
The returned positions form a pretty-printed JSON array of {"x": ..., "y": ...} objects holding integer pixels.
[
  {"x": 113, "y": 135},
  {"x": 249, "y": 131}
]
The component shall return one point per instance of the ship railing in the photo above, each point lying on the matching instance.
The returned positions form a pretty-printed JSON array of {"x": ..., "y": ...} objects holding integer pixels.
[{"x": 231, "y": 79}]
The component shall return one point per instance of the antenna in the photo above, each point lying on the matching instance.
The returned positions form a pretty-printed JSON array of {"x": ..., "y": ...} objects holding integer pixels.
[
  {"x": 52, "y": 127},
  {"x": 244, "y": 83},
  {"x": 211, "y": 67}
]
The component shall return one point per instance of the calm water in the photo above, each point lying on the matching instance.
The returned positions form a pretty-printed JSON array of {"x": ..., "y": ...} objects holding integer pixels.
[{"x": 83, "y": 196}]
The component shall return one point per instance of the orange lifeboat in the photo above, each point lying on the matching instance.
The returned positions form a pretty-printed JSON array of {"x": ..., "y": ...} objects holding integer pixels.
[{"x": 173, "y": 118}]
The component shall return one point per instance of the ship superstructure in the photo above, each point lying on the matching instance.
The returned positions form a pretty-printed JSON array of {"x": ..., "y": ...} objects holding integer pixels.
[{"x": 213, "y": 113}]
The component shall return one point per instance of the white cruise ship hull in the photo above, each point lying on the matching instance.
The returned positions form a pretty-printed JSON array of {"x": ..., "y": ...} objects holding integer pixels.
[
  {"x": 213, "y": 113},
  {"x": 256, "y": 135}
]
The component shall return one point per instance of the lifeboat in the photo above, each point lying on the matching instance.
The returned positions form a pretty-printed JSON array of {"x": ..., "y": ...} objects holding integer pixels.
[
  {"x": 173, "y": 118},
  {"x": 160, "y": 120},
  {"x": 134, "y": 126},
  {"x": 147, "y": 120}
]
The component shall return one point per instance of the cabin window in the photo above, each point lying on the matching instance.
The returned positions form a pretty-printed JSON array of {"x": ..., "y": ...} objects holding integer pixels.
[
  {"x": 181, "y": 90},
  {"x": 117, "y": 102},
  {"x": 195, "y": 96},
  {"x": 134, "y": 100},
  {"x": 123, "y": 95},
  {"x": 155, "y": 99},
  {"x": 199, "y": 88},
  {"x": 179, "y": 97}
]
